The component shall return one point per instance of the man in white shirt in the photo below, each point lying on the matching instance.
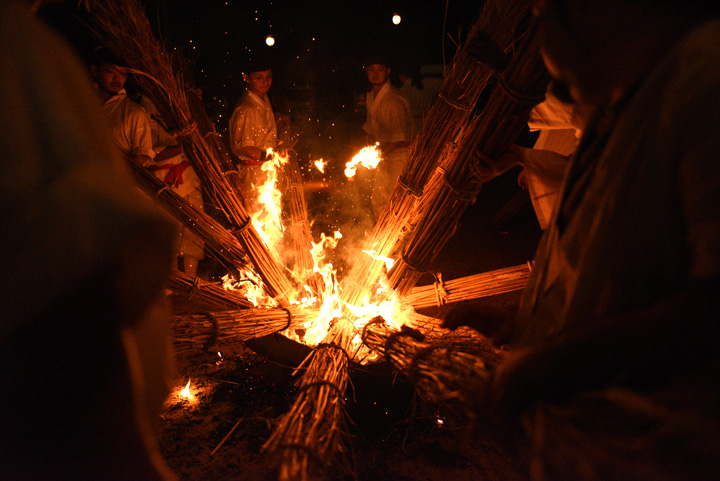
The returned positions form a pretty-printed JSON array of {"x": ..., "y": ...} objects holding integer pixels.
[
  {"x": 389, "y": 122},
  {"x": 252, "y": 126},
  {"x": 130, "y": 123}
]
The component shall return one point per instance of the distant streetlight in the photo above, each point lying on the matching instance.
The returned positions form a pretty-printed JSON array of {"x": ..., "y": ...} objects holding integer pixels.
[
  {"x": 396, "y": 19},
  {"x": 270, "y": 40}
]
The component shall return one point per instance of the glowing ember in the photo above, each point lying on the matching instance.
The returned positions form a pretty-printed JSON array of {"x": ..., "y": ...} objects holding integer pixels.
[
  {"x": 368, "y": 157},
  {"x": 387, "y": 260},
  {"x": 187, "y": 394},
  {"x": 320, "y": 165}
]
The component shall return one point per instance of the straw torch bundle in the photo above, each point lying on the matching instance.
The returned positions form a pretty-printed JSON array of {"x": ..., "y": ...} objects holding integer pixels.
[
  {"x": 206, "y": 295},
  {"x": 309, "y": 436},
  {"x": 467, "y": 288},
  {"x": 223, "y": 245},
  {"x": 122, "y": 26},
  {"x": 299, "y": 224},
  {"x": 214, "y": 140},
  {"x": 201, "y": 331},
  {"x": 480, "y": 57},
  {"x": 454, "y": 185},
  {"x": 439, "y": 372}
]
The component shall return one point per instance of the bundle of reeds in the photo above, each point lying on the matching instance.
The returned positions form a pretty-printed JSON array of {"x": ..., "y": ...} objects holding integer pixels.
[
  {"x": 453, "y": 186},
  {"x": 123, "y": 26},
  {"x": 300, "y": 225},
  {"x": 202, "y": 331},
  {"x": 462, "y": 338},
  {"x": 472, "y": 68},
  {"x": 206, "y": 295},
  {"x": 308, "y": 437},
  {"x": 467, "y": 288},
  {"x": 214, "y": 140},
  {"x": 440, "y": 373},
  {"x": 222, "y": 244}
]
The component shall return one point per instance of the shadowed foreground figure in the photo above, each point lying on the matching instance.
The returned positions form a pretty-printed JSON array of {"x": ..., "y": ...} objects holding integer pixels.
[
  {"x": 83, "y": 356},
  {"x": 614, "y": 369}
]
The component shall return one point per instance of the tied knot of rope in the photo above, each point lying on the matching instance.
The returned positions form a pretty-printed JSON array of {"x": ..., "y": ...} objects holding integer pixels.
[
  {"x": 241, "y": 229},
  {"x": 517, "y": 96},
  {"x": 214, "y": 334},
  {"x": 405, "y": 185},
  {"x": 441, "y": 294},
  {"x": 194, "y": 288},
  {"x": 454, "y": 103},
  {"x": 185, "y": 130},
  {"x": 290, "y": 319},
  {"x": 464, "y": 195},
  {"x": 332, "y": 345},
  {"x": 323, "y": 382},
  {"x": 414, "y": 267}
]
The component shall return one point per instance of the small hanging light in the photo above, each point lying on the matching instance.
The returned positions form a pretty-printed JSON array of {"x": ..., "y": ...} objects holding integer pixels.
[
  {"x": 396, "y": 19},
  {"x": 270, "y": 40}
]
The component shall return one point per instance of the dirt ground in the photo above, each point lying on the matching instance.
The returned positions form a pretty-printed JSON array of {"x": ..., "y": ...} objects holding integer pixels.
[{"x": 391, "y": 436}]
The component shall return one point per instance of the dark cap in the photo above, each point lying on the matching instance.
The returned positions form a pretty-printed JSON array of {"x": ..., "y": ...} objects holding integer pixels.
[{"x": 103, "y": 55}]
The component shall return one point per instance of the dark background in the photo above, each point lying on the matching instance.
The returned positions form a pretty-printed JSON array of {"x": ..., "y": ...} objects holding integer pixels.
[{"x": 317, "y": 60}]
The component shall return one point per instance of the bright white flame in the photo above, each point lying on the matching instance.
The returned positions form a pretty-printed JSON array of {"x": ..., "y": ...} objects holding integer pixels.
[
  {"x": 270, "y": 40},
  {"x": 268, "y": 219},
  {"x": 396, "y": 19},
  {"x": 185, "y": 392},
  {"x": 387, "y": 260},
  {"x": 320, "y": 165},
  {"x": 368, "y": 157}
]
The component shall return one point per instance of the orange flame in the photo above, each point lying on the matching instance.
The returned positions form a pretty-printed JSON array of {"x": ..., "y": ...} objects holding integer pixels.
[
  {"x": 267, "y": 221},
  {"x": 368, "y": 157},
  {"x": 387, "y": 260},
  {"x": 320, "y": 165}
]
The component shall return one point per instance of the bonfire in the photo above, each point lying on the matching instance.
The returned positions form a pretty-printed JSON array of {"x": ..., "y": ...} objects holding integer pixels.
[{"x": 292, "y": 288}]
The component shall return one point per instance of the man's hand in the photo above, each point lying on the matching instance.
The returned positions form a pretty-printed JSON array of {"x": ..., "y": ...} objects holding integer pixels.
[{"x": 487, "y": 169}]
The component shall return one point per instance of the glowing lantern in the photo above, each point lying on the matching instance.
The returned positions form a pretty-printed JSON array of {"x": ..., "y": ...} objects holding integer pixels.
[
  {"x": 396, "y": 19},
  {"x": 270, "y": 40}
]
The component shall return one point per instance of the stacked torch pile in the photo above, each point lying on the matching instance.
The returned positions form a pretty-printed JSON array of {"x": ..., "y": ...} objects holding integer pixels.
[{"x": 309, "y": 305}]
